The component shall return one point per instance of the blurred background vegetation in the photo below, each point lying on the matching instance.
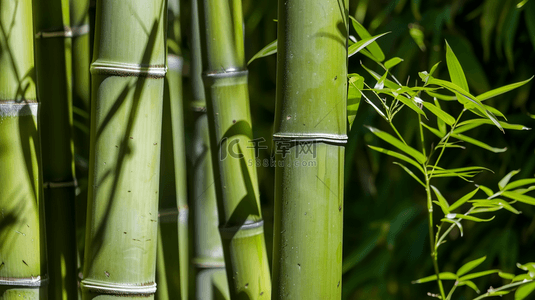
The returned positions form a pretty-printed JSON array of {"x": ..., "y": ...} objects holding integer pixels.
[{"x": 385, "y": 231}]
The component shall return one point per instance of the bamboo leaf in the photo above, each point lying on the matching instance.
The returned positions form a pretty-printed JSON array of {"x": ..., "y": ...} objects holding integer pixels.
[
  {"x": 465, "y": 169},
  {"x": 519, "y": 183},
  {"x": 399, "y": 156},
  {"x": 469, "y": 218},
  {"x": 470, "y": 284},
  {"x": 442, "y": 201},
  {"x": 524, "y": 291},
  {"x": 478, "y": 143},
  {"x": 440, "y": 123},
  {"x": 388, "y": 83},
  {"x": 506, "y": 275},
  {"x": 443, "y": 276},
  {"x": 441, "y": 96},
  {"x": 485, "y": 209},
  {"x": 410, "y": 173},
  {"x": 519, "y": 197},
  {"x": 454, "y": 68},
  {"x": 469, "y": 266},
  {"x": 463, "y": 200},
  {"x": 474, "y": 123},
  {"x": 456, "y": 222},
  {"x": 505, "y": 180},
  {"x": 433, "y": 130},
  {"x": 356, "y": 84},
  {"x": 270, "y": 49},
  {"x": 411, "y": 104},
  {"x": 486, "y": 190},
  {"x": 389, "y": 64},
  {"x": 434, "y": 68},
  {"x": 364, "y": 34},
  {"x": 356, "y": 47},
  {"x": 398, "y": 144},
  {"x": 478, "y": 274},
  {"x": 444, "y": 116},
  {"x": 502, "y": 90}
]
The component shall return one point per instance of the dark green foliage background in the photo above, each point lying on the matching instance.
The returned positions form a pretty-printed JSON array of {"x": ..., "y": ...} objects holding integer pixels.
[{"x": 385, "y": 231}]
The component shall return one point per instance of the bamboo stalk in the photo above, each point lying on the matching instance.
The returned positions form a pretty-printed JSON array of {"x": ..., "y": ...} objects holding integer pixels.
[
  {"x": 128, "y": 72},
  {"x": 225, "y": 82},
  {"x": 167, "y": 267},
  {"x": 53, "y": 64},
  {"x": 309, "y": 135},
  {"x": 173, "y": 185},
  {"x": 207, "y": 248},
  {"x": 22, "y": 248}
]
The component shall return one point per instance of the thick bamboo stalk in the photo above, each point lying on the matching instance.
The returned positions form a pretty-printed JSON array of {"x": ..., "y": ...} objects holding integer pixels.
[
  {"x": 54, "y": 82},
  {"x": 173, "y": 185},
  {"x": 309, "y": 136},
  {"x": 208, "y": 251},
  {"x": 128, "y": 73},
  {"x": 22, "y": 235},
  {"x": 225, "y": 82}
]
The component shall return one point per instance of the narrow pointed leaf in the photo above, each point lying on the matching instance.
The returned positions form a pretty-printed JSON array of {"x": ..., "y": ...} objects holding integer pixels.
[
  {"x": 469, "y": 218},
  {"x": 474, "y": 123},
  {"x": 389, "y": 64},
  {"x": 478, "y": 274},
  {"x": 471, "y": 284},
  {"x": 268, "y": 50},
  {"x": 440, "y": 123},
  {"x": 519, "y": 197},
  {"x": 433, "y": 130},
  {"x": 398, "y": 155},
  {"x": 398, "y": 144},
  {"x": 486, "y": 190},
  {"x": 441, "y": 96},
  {"x": 443, "y": 203},
  {"x": 524, "y": 291},
  {"x": 455, "y": 70},
  {"x": 356, "y": 84},
  {"x": 410, "y": 103},
  {"x": 519, "y": 183},
  {"x": 478, "y": 143},
  {"x": 456, "y": 222},
  {"x": 443, "y": 276},
  {"x": 356, "y": 47},
  {"x": 444, "y": 116},
  {"x": 505, "y": 180},
  {"x": 469, "y": 266},
  {"x": 364, "y": 34},
  {"x": 506, "y": 275},
  {"x": 502, "y": 90}
]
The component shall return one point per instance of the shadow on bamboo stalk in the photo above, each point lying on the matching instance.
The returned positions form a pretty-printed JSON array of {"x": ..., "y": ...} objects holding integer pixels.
[{"x": 123, "y": 199}]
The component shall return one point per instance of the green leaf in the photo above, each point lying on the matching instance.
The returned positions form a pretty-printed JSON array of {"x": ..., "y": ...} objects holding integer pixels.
[
  {"x": 434, "y": 68},
  {"x": 478, "y": 274},
  {"x": 443, "y": 276},
  {"x": 470, "y": 284},
  {"x": 444, "y": 116},
  {"x": 270, "y": 49},
  {"x": 433, "y": 130},
  {"x": 486, "y": 190},
  {"x": 356, "y": 84},
  {"x": 474, "y": 123},
  {"x": 524, "y": 291},
  {"x": 478, "y": 143},
  {"x": 410, "y": 173},
  {"x": 469, "y": 218},
  {"x": 519, "y": 197},
  {"x": 463, "y": 200},
  {"x": 442, "y": 201},
  {"x": 388, "y": 83},
  {"x": 417, "y": 34},
  {"x": 389, "y": 64},
  {"x": 441, "y": 96},
  {"x": 505, "y": 180},
  {"x": 496, "y": 203},
  {"x": 454, "y": 68},
  {"x": 399, "y": 156},
  {"x": 398, "y": 144},
  {"x": 456, "y": 222},
  {"x": 469, "y": 266},
  {"x": 356, "y": 47},
  {"x": 506, "y": 275},
  {"x": 364, "y": 34},
  {"x": 519, "y": 183},
  {"x": 411, "y": 104},
  {"x": 440, "y": 123},
  {"x": 502, "y": 90}
]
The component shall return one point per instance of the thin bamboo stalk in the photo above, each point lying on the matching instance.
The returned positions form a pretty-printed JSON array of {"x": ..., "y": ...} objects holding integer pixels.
[
  {"x": 173, "y": 194},
  {"x": 168, "y": 262},
  {"x": 53, "y": 64},
  {"x": 309, "y": 135},
  {"x": 225, "y": 82},
  {"x": 128, "y": 72},
  {"x": 22, "y": 234},
  {"x": 208, "y": 251}
]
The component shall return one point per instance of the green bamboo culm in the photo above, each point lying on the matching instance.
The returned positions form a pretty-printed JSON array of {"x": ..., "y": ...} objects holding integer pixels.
[
  {"x": 22, "y": 233},
  {"x": 173, "y": 196},
  {"x": 128, "y": 72},
  {"x": 79, "y": 20},
  {"x": 225, "y": 82},
  {"x": 309, "y": 136},
  {"x": 210, "y": 274},
  {"x": 53, "y": 64}
]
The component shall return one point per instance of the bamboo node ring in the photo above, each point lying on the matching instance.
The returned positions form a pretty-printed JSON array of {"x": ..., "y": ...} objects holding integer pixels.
[
  {"x": 32, "y": 281},
  {"x": 118, "y": 289},
  {"x": 128, "y": 70},
  {"x": 55, "y": 185},
  {"x": 18, "y": 108},
  {"x": 338, "y": 139},
  {"x": 245, "y": 230},
  {"x": 174, "y": 62}
]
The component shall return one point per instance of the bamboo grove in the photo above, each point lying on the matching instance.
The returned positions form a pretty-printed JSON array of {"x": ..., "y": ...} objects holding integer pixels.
[{"x": 129, "y": 153}]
